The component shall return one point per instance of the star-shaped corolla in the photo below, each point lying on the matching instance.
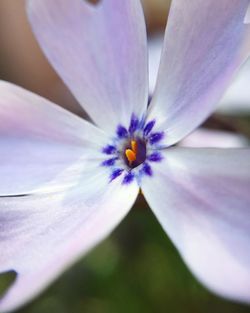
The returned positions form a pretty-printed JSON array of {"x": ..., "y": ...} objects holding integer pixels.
[{"x": 66, "y": 183}]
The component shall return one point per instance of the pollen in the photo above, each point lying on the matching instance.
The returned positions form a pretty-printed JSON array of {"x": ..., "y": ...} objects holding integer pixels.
[
  {"x": 134, "y": 146},
  {"x": 131, "y": 156},
  {"x": 131, "y": 153}
]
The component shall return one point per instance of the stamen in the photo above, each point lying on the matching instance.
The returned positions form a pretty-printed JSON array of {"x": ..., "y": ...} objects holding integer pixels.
[
  {"x": 131, "y": 155},
  {"x": 134, "y": 146}
]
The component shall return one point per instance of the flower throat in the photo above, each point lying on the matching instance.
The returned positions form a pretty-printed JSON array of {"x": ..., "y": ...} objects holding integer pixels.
[{"x": 132, "y": 150}]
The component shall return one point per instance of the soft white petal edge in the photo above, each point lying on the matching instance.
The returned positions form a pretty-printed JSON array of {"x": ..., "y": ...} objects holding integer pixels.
[
  {"x": 42, "y": 235},
  {"x": 209, "y": 138},
  {"x": 247, "y": 16},
  {"x": 41, "y": 143},
  {"x": 155, "y": 44},
  {"x": 104, "y": 60},
  {"x": 205, "y": 44},
  {"x": 201, "y": 198},
  {"x": 237, "y": 98}
]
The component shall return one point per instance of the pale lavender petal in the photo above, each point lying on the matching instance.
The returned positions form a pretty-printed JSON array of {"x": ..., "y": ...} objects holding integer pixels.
[
  {"x": 247, "y": 16},
  {"x": 42, "y": 235},
  {"x": 99, "y": 51},
  {"x": 155, "y": 44},
  {"x": 205, "y": 43},
  {"x": 237, "y": 98},
  {"x": 208, "y": 138},
  {"x": 42, "y": 145},
  {"x": 201, "y": 198}
]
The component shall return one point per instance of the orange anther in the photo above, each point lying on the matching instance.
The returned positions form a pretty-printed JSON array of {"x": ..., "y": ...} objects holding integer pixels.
[
  {"x": 134, "y": 146},
  {"x": 131, "y": 153},
  {"x": 131, "y": 156}
]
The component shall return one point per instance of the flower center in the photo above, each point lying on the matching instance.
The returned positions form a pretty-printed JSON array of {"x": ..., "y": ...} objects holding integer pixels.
[
  {"x": 136, "y": 152},
  {"x": 133, "y": 150}
]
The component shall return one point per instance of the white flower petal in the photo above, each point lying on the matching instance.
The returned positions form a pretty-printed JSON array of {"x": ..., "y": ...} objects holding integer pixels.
[
  {"x": 42, "y": 235},
  {"x": 205, "y": 43},
  {"x": 237, "y": 98},
  {"x": 208, "y": 138},
  {"x": 155, "y": 44},
  {"x": 41, "y": 144},
  {"x": 99, "y": 51},
  {"x": 201, "y": 197},
  {"x": 247, "y": 16}
]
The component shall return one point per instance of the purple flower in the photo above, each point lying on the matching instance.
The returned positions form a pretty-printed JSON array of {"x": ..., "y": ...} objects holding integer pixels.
[{"x": 60, "y": 193}]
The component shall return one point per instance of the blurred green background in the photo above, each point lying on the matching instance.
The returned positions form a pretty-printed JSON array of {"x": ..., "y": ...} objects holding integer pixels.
[{"x": 137, "y": 269}]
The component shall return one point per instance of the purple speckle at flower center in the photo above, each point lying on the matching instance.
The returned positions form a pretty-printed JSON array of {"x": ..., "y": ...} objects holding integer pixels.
[{"x": 133, "y": 150}]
